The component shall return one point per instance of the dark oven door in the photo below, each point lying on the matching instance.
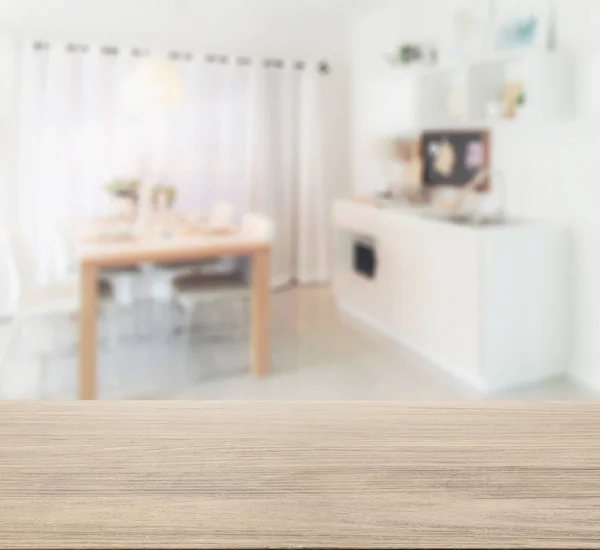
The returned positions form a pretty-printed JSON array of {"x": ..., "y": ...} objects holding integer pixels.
[{"x": 365, "y": 259}]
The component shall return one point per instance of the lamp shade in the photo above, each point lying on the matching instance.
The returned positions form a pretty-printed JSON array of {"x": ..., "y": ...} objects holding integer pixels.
[{"x": 154, "y": 84}]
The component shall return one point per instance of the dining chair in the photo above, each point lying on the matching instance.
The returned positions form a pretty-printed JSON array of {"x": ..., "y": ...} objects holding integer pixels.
[
  {"x": 222, "y": 217},
  {"x": 33, "y": 301},
  {"x": 203, "y": 293},
  {"x": 124, "y": 284},
  {"x": 160, "y": 278}
]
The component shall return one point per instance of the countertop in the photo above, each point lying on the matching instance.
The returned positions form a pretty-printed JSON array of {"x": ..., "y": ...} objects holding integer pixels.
[{"x": 243, "y": 475}]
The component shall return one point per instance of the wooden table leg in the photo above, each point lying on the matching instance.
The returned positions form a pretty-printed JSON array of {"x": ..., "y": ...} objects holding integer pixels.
[
  {"x": 87, "y": 332},
  {"x": 260, "y": 344}
]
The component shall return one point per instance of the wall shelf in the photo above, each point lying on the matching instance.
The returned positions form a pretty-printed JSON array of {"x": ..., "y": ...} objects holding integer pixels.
[{"x": 456, "y": 96}]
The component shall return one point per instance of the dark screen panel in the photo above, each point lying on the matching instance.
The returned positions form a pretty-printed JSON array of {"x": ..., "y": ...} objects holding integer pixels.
[{"x": 472, "y": 151}]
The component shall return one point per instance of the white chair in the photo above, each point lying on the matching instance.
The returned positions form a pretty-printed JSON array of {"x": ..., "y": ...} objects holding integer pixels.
[
  {"x": 221, "y": 217},
  {"x": 38, "y": 302},
  {"x": 64, "y": 252},
  {"x": 160, "y": 278},
  {"x": 258, "y": 226},
  {"x": 214, "y": 291},
  {"x": 123, "y": 284},
  {"x": 32, "y": 301}
]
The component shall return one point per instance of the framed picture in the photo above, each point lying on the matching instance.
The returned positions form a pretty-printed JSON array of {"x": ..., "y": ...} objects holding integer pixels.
[
  {"x": 519, "y": 26},
  {"x": 454, "y": 158},
  {"x": 471, "y": 23}
]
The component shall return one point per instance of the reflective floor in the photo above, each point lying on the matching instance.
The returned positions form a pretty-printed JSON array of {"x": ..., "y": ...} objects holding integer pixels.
[{"x": 317, "y": 355}]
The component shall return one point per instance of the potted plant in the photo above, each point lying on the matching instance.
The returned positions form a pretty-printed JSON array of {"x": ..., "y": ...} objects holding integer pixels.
[
  {"x": 123, "y": 194},
  {"x": 163, "y": 196},
  {"x": 409, "y": 54},
  {"x": 521, "y": 104}
]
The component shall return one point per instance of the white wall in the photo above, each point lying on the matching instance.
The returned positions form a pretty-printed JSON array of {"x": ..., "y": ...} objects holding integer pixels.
[
  {"x": 551, "y": 169},
  {"x": 255, "y": 28}
]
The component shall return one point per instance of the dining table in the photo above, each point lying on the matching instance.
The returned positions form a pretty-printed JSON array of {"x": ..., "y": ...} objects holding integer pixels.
[{"x": 107, "y": 244}]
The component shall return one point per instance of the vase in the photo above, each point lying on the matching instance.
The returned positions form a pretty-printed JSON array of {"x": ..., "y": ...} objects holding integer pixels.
[{"x": 122, "y": 207}]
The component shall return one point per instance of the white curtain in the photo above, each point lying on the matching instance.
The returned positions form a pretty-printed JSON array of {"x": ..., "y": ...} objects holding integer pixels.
[
  {"x": 285, "y": 173},
  {"x": 204, "y": 142},
  {"x": 248, "y": 133}
]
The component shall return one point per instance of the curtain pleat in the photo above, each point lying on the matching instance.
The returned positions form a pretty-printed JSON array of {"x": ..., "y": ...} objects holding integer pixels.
[{"x": 246, "y": 134}]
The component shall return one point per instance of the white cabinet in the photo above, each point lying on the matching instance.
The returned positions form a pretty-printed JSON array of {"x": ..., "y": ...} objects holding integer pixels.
[
  {"x": 486, "y": 304},
  {"x": 436, "y": 301},
  {"x": 371, "y": 300}
]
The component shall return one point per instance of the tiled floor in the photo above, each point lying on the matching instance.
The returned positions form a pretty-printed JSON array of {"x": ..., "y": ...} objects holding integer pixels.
[{"x": 317, "y": 356}]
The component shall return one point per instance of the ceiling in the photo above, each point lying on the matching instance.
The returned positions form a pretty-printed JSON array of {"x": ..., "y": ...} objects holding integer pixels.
[
  {"x": 343, "y": 9},
  {"x": 309, "y": 28}
]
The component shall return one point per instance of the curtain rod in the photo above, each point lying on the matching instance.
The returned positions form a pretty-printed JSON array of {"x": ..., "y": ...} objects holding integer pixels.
[{"x": 217, "y": 59}]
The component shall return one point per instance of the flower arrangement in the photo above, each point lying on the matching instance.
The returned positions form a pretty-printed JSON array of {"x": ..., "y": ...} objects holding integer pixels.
[
  {"x": 125, "y": 194},
  {"x": 167, "y": 192},
  {"x": 124, "y": 189},
  {"x": 130, "y": 188}
]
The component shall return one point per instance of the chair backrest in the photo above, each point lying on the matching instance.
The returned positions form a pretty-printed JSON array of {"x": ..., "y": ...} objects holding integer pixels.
[
  {"x": 20, "y": 266},
  {"x": 258, "y": 226},
  {"x": 222, "y": 216},
  {"x": 63, "y": 249},
  {"x": 8, "y": 272}
]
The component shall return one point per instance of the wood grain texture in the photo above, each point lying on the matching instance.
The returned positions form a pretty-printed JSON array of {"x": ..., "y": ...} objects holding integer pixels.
[
  {"x": 260, "y": 344},
  {"x": 168, "y": 251},
  {"x": 88, "y": 330},
  {"x": 161, "y": 475}
]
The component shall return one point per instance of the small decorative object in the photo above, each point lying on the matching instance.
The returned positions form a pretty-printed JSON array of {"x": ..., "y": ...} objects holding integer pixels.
[
  {"x": 519, "y": 26},
  {"x": 383, "y": 153},
  {"x": 123, "y": 197},
  {"x": 470, "y": 24},
  {"x": 413, "y": 54},
  {"x": 494, "y": 109},
  {"x": 491, "y": 207},
  {"x": 513, "y": 96},
  {"x": 123, "y": 188},
  {"x": 444, "y": 157},
  {"x": 384, "y": 198},
  {"x": 455, "y": 100},
  {"x": 324, "y": 68},
  {"x": 415, "y": 197},
  {"x": 122, "y": 207},
  {"x": 412, "y": 175},
  {"x": 144, "y": 210},
  {"x": 522, "y": 103},
  {"x": 475, "y": 155},
  {"x": 464, "y": 204},
  {"x": 164, "y": 197}
]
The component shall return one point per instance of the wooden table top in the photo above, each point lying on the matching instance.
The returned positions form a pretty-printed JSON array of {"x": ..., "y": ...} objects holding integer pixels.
[
  {"x": 169, "y": 250},
  {"x": 110, "y": 242},
  {"x": 173, "y": 475}
]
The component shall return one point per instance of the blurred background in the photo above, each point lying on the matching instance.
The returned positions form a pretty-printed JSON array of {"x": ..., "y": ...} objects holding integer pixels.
[{"x": 332, "y": 199}]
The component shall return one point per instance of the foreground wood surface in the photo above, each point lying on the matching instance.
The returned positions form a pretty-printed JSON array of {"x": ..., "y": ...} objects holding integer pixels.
[{"x": 159, "y": 475}]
